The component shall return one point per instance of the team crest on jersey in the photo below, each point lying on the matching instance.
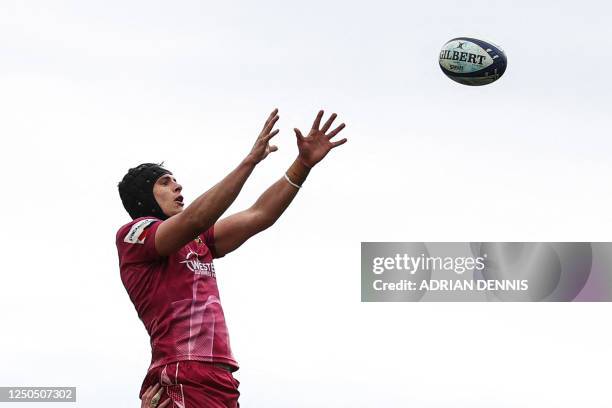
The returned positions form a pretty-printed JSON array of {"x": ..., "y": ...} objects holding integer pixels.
[{"x": 137, "y": 233}]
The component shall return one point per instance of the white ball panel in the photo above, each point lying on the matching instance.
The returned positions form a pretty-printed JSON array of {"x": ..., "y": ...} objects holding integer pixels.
[{"x": 463, "y": 57}]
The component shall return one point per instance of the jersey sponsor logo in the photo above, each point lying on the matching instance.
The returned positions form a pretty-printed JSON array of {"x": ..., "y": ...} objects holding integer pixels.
[
  {"x": 137, "y": 233},
  {"x": 193, "y": 263}
]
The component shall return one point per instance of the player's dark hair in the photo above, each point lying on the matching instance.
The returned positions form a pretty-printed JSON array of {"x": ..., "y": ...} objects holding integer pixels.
[{"x": 136, "y": 190}]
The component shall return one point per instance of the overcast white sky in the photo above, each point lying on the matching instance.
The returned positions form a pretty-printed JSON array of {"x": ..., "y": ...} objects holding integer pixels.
[{"x": 89, "y": 89}]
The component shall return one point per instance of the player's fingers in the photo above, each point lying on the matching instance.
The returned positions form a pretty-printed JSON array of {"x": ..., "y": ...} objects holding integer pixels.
[
  {"x": 150, "y": 391},
  {"x": 329, "y": 122},
  {"x": 298, "y": 134},
  {"x": 273, "y": 148},
  {"x": 272, "y": 134},
  {"x": 338, "y": 143},
  {"x": 274, "y": 112},
  {"x": 336, "y": 131},
  {"x": 165, "y": 404},
  {"x": 317, "y": 121},
  {"x": 266, "y": 126},
  {"x": 270, "y": 125},
  {"x": 157, "y": 395}
]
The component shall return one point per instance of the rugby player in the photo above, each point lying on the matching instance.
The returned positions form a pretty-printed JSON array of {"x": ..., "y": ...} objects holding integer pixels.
[{"x": 166, "y": 263}]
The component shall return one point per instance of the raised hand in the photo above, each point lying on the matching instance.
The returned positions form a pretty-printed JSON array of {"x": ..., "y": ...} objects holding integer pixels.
[
  {"x": 314, "y": 147},
  {"x": 261, "y": 149}
]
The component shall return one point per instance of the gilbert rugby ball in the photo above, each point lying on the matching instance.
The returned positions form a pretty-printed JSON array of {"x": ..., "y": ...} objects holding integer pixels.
[{"x": 472, "y": 62}]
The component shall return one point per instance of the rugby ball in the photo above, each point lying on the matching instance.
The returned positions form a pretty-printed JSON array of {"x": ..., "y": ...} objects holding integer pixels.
[{"x": 472, "y": 62}]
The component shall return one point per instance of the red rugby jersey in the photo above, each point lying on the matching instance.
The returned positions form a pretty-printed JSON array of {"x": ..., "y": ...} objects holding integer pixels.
[{"x": 176, "y": 297}]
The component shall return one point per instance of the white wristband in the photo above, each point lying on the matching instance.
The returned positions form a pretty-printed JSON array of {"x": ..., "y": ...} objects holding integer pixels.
[{"x": 291, "y": 182}]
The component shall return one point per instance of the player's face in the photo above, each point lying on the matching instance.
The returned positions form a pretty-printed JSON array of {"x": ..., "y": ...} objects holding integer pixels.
[{"x": 167, "y": 193}]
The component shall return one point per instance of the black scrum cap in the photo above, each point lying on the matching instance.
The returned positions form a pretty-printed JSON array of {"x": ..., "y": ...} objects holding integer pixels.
[{"x": 136, "y": 191}]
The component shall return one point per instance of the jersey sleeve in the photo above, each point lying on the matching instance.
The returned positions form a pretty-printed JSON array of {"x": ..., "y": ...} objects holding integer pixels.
[
  {"x": 136, "y": 241},
  {"x": 209, "y": 240}
]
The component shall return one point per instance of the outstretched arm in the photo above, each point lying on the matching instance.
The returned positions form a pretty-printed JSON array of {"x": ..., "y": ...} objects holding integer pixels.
[
  {"x": 233, "y": 231},
  {"x": 200, "y": 215}
]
